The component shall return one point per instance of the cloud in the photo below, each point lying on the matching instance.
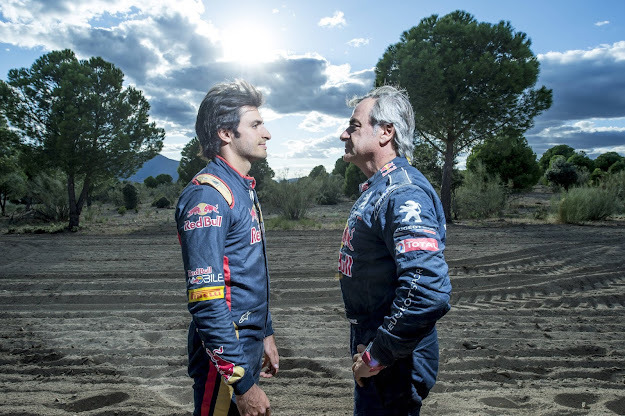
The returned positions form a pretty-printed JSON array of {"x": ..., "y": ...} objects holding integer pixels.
[
  {"x": 337, "y": 20},
  {"x": 605, "y": 22},
  {"x": 316, "y": 122},
  {"x": 358, "y": 42}
]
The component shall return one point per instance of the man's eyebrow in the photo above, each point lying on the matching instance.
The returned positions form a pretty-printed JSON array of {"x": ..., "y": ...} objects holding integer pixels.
[{"x": 354, "y": 121}]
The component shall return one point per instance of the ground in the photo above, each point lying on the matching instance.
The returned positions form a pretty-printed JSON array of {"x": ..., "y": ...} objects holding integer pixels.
[{"x": 94, "y": 322}]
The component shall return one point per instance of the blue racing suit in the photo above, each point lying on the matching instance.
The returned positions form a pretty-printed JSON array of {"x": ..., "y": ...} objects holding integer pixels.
[
  {"x": 395, "y": 286},
  {"x": 221, "y": 232}
]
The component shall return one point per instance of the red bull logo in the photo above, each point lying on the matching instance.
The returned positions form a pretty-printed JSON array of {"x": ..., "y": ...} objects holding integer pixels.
[
  {"x": 345, "y": 264},
  {"x": 204, "y": 222},
  {"x": 225, "y": 367},
  {"x": 256, "y": 235},
  {"x": 254, "y": 215},
  {"x": 348, "y": 235},
  {"x": 203, "y": 209}
]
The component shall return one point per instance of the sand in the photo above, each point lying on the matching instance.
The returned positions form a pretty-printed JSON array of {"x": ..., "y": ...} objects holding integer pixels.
[{"x": 94, "y": 323}]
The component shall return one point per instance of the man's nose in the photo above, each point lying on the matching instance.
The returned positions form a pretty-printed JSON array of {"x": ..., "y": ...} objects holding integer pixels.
[
  {"x": 345, "y": 135},
  {"x": 266, "y": 134}
]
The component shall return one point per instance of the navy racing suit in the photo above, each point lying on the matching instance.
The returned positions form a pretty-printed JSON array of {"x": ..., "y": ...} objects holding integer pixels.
[
  {"x": 395, "y": 286},
  {"x": 222, "y": 238}
]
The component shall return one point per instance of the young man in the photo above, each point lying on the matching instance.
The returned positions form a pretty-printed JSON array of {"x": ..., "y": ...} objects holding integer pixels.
[
  {"x": 220, "y": 226},
  {"x": 393, "y": 273}
]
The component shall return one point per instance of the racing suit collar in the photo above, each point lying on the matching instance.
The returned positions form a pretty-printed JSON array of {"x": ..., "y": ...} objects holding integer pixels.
[
  {"x": 249, "y": 181},
  {"x": 398, "y": 162}
]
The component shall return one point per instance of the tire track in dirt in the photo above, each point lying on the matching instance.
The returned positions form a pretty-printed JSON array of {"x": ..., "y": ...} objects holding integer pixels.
[{"x": 96, "y": 325}]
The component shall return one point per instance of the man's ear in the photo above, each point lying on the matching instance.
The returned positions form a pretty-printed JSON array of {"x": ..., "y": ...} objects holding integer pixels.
[
  {"x": 226, "y": 136},
  {"x": 388, "y": 132}
]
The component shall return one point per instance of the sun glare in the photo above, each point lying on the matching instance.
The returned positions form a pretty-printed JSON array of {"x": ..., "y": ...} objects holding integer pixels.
[{"x": 248, "y": 44}]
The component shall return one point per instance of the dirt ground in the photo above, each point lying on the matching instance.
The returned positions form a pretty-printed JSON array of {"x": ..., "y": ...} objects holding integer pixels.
[{"x": 94, "y": 323}]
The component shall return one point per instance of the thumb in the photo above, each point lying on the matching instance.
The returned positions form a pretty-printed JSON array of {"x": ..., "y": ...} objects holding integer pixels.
[{"x": 361, "y": 348}]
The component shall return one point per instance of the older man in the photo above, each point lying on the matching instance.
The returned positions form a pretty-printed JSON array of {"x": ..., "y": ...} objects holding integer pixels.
[{"x": 394, "y": 277}]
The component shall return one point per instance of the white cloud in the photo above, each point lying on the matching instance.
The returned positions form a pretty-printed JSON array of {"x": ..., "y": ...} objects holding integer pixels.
[
  {"x": 358, "y": 42},
  {"x": 337, "y": 20},
  {"x": 317, "y": 122},
  {"x": 605, "y": 22}
]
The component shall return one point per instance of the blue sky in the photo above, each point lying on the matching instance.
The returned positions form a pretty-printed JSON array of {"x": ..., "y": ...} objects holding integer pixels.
[{"x": 309, "y": 56}]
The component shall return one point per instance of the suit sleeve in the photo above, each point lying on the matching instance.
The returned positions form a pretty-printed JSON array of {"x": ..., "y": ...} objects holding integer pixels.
[
  {"x": 203, "y": 218},
  {"x": 412, "y": 232}
]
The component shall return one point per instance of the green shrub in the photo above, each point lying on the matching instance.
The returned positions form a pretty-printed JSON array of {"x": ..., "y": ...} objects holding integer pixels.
[
  {"x": 48, "y": 193},
  {"x": 578, "y": 205},
  {"x": 330, "y": 189},
  {"x": 291, "y": 199},
  {"x": 131, "y": 196},
  {"x": 480, "y": 196},
  {"x": 162, "y": 202},
  {"x": 122, "y": 210}
]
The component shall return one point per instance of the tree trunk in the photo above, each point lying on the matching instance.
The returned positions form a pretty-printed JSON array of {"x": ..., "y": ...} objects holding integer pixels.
[
  {"x": 74, "y": 214},
  {"x": 448, "y": 170}
]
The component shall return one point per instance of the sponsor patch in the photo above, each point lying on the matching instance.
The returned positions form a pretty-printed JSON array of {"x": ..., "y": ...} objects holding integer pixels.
[
  {"x": 256, "y": 235},
  {"x": 206, "y": 279},
  {"x": 199, "y": 271},
  {"x": 345, "y": 264},
  {"x": 416, "y": 244},
  {"x": 412, "y": 210},
  {"x": 203, "y": 209},
  {"x": 203, "y": 222},
  {"x": 348, "y": 235},
  {"x": 245, "y": 317},
  {"x": 206, "y": 293},
  {"x": 388, "y": 168}
]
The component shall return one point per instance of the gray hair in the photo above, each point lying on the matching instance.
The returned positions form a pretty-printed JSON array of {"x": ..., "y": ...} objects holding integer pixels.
[
  {"x": 392, "y": 107},
  {"x": 221, "y": 109}
]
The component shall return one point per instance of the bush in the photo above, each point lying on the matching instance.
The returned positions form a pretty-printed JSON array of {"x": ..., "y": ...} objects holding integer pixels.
[
  {"x": 330, "y": 189},
  {"x": 150, "y": 182},
  {"x": 162, "y": 202},
  {"x": 49, "y": 196},
  {"x": 586, "y": 204},
  {"x": 131, "y": 196},
  {"x": 292, "y": 199},
  {"x": 480, "y": 196}
]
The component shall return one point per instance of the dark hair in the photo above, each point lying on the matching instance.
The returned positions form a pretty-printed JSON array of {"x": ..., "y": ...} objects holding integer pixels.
[{"x": 221, "y": 109}]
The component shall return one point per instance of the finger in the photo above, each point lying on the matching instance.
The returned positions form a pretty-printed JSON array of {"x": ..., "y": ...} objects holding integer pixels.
[
  {"x": 361, "y": 348},
  {"x": 359, "y": 382},
  {"x": 356, "y": 357}
]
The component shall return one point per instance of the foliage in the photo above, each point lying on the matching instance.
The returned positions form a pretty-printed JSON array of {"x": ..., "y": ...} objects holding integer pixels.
[
  {"x": 561, "y": 149},
  {"x": 150, "y": 182},
  {"x": 79, "y": 118},
  {"x": 466, "y": 82},
  {"x": 578, "y": 205},
  {"x": 162, "y": 202},
  {"x": 164, "y": 178},
  {"x": 605, "y": 160},
  {"x": 509, "y": 157},
  {"x": 261, "y": 171},
  {"x": 340, "y": 166},
  {"x": 561, "y": 173},
  {"x": 12, "y": 177},
  {"x": 131, "y": 196},
  {"x": 329, "y": 189},
  {"x": 191, "y": 162},
  {"x": 428, "y": 161},
  {"x": 581, "y": 160},
  {"x": 617, "y": 167},
  {"x": 353, "y": 178},
  {"x": 291, "y": 199},
  {"x": 480, "y": 196},
  {"x": 49, "y": 198},
  {"x": 318, "y": 171}
]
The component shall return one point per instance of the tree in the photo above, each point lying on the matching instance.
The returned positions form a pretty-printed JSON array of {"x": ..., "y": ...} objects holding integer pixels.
[
  {"x": 561, "y": 149},
  {"x": 340, "y": 166},
  {"x": 261, "y": 171},
  {"x": 191, "y": 162},
  {"x": 605, "y": 160},
  {"x": 318, "y": 171},
  {"x": 150, "y": 182},
  {"x": 163, "y": 178},
  {"x": 466, "y": 81},
  {"x": 12, "y": 177},
  {"x": 509, "y": 157},
  {"x": 581, "y": 160},
  {"x": 83, "y": 121},
  {"x": 353, "y": 178},
  {"x": 561, "y": 172}
]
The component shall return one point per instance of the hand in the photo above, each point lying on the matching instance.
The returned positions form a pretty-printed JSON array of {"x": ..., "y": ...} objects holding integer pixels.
[
  {"x": 271, "y": 358},
  {"x": 359, "y": 368},
  {"x": 253, "y": 402}
]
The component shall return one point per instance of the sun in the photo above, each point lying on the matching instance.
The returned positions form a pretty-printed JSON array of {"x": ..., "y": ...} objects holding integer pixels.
[{"x": 248, "y": 44}]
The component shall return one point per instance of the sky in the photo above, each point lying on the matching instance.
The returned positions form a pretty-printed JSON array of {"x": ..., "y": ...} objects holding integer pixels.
[{"x": 309, "y": 57}]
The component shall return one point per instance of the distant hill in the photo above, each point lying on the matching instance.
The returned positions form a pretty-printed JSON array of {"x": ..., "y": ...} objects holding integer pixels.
[{"x": 156, "y": 166}]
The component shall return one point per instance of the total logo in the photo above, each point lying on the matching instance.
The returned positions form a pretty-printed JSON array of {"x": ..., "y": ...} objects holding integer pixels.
[
  {"x": 203, "y": 222},
  {"x": 203, "y": 209},
  {"x": 416, "y": 244}
]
